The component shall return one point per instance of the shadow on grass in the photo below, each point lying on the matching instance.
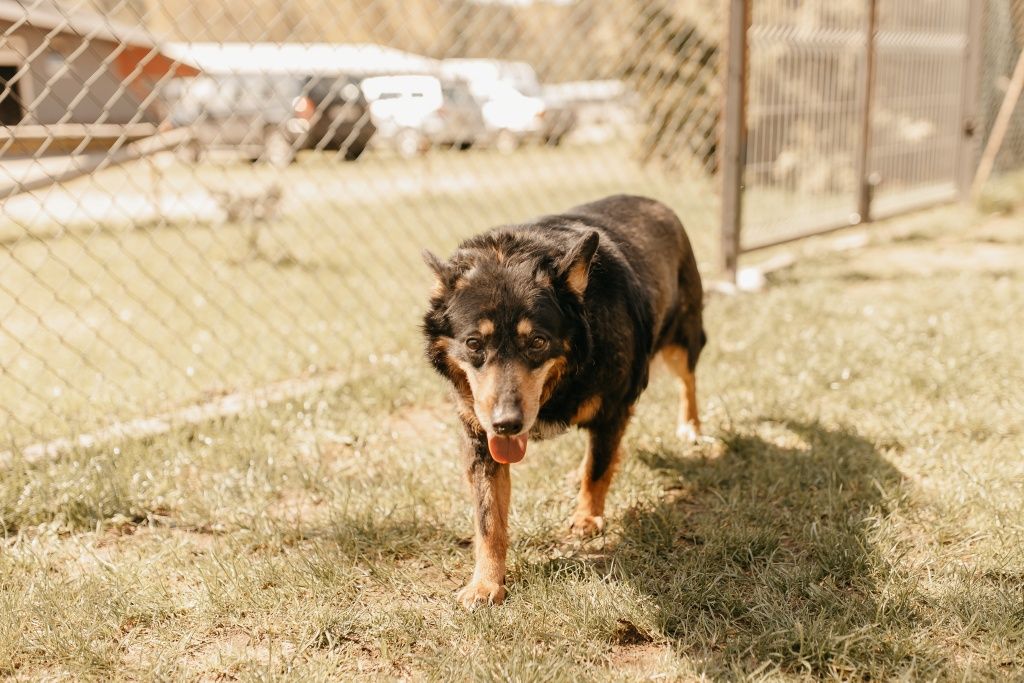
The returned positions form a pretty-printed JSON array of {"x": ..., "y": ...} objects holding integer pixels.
[{"x": 765, "y": 557}]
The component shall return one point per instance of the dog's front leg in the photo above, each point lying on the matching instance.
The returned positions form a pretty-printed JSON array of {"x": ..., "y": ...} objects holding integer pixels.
[
  {"x": 598, "y": 468},
  {"x": 491, "y": 488}
]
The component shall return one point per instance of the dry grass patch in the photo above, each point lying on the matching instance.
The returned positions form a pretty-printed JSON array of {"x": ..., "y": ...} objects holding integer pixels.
[{"x": 859, "y": 516}]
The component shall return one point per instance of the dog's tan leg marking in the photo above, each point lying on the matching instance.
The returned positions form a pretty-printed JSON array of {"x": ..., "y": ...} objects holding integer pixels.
[
  {"x": 491, "y": 485},
  {"x": 689, "y": 420},
  {"x": 588, "y": 520},
  {"x": 585, "y": 413}
]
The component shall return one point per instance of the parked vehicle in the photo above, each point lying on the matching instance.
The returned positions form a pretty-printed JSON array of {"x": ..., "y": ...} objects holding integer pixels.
[
  {"x": 481, "y": 72},
  {"x": 510, "y": 116},
  {"x": 417, "y": 112},
  {"x": 604, "y": 109},
  {"x": 514, "y": 104},
  {"x": 269, "y": 117},
  {"x": 462, "y": 115}
]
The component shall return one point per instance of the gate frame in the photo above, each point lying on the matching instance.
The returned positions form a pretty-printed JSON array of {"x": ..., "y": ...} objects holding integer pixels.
[
  {"x": 734, "y": 133},
  {"x": 970, "y": 106}
]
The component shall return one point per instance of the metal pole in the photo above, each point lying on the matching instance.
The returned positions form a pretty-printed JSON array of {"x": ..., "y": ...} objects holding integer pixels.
[
  {"x": 734, "y": 135},
  {"x": 867, "y": 183},
  {"x": 967, "y": 150}
]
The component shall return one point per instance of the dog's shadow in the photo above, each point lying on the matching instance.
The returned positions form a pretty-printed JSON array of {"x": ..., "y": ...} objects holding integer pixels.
[{"x": 765, "y": 554}]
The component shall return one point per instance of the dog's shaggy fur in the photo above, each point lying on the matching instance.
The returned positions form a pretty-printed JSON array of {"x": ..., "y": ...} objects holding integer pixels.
[{"x": 553, "y": 324}]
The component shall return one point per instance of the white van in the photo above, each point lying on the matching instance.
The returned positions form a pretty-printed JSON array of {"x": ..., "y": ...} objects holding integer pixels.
[
  {"x": 415, "y": 112},
  {"x": 402, "y": 100},
  {"x": 513, "y": 102}
]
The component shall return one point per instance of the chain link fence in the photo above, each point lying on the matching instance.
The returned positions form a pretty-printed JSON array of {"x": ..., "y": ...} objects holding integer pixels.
[{"x": 198, "y": 200}]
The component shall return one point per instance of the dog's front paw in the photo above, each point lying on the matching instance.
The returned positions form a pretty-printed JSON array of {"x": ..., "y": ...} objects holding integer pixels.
[
  {"x": 585, "y": 526},
  {"x": 480, "y": 592},
  {"x": 688, "y": 432}
]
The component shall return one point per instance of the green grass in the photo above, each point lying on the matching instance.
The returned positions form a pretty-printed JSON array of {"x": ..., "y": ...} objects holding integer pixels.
[{"x": 861, "y": 516}]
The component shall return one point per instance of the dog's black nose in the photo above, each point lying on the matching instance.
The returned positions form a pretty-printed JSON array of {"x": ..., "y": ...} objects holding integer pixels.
[{"x": 507, "y": 422}]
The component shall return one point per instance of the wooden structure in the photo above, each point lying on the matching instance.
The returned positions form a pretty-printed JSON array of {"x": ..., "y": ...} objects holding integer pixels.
[{"x": 71, "y": 83}]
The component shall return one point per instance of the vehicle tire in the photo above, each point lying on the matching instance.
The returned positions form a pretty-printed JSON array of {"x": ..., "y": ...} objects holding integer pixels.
[
  {"x": 506, "y": 142},
  {"x": 354, "y": 151},
  {"x": 277, "y": 149},
  {"x": 409, "y": 143}
]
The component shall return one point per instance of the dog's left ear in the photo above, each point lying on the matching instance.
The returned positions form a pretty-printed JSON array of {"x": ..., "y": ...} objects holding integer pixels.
[
  {"x": 435, "y": 262},
  {"x": 574, "y": 267}
]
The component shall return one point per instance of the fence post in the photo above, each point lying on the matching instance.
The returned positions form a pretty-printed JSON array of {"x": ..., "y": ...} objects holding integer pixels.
[
  {"x": 734, "y": 134},
  {"x": 867, "y": 183},
  {"x": 971, "y": 132}
]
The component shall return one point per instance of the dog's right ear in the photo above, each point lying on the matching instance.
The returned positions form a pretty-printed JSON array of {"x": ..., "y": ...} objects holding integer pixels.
[
  {"x": 575, "y": 265},
  {"x": 442, "y": 272}
]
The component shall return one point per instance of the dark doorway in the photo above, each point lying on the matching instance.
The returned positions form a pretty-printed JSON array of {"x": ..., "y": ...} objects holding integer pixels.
[{"x": 10, "y": 98}]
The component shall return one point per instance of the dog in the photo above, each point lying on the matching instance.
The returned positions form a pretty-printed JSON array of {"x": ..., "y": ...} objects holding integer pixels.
[{"x": 553, "y": 324}]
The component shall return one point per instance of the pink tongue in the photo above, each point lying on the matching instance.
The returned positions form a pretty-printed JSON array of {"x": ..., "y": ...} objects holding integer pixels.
[{"x": 507, "y": 449}]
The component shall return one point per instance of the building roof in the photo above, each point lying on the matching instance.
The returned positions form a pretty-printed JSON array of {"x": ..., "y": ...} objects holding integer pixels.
[
  {"x": 48, "y": 16},
  {"x": 300, "y": 58}
]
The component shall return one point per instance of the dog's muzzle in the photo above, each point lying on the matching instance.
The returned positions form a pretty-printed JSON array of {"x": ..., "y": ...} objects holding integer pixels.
[{"x": 506, "y": 444}]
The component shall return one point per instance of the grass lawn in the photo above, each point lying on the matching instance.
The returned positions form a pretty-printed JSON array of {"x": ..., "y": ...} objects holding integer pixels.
[{"x": 860, "y": 517}]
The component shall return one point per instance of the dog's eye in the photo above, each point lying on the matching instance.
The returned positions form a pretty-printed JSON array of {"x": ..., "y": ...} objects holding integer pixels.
[
  {"x": 474, "y": 344},
  {"x": 538, "y": 344}
]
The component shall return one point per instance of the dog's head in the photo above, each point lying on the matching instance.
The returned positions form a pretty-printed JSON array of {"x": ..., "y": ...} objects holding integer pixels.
[{"x": 505, "y": 323}]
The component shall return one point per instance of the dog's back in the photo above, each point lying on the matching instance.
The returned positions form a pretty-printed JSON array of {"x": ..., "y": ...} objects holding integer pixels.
[{"x": 652, "y": 240}]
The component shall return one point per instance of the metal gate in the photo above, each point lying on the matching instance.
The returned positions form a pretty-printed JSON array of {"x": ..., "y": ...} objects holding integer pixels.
[{"x": 855, "y": 111}]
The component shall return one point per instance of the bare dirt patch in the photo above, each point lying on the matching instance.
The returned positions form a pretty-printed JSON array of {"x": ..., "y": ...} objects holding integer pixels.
[
  {"x": 223, "y": 657},
  {"x": 1004, "y": 229},
  {"x": 418, "y": 422},
  {"x": 922, "y": 260},
  {"x": 642, "y": 661},
  {"x": 299, "y": 508}
]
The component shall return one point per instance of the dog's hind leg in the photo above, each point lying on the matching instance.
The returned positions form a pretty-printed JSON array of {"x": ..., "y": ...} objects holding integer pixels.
[
  {"x": 491, "y": 487},
  {"x": 678, "y": 359},
  {"x": 603, "y": 454}
]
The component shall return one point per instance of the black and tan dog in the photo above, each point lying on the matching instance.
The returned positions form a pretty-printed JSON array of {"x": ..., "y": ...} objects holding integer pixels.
[{"x": 551, "y": 324}]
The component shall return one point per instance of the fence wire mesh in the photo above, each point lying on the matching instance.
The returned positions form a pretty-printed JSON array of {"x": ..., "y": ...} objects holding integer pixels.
[
  {"x": 805, "y": 99},
  {"x": 917, "y": 109},
  {"x": 198, "y": 198}
]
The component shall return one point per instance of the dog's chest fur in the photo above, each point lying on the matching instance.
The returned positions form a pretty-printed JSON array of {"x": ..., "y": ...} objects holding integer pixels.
[{"x": 546, "y": 429}]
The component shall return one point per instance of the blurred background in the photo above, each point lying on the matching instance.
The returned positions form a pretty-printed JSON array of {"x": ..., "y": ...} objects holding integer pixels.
[{"x": 203, "y": 198}]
